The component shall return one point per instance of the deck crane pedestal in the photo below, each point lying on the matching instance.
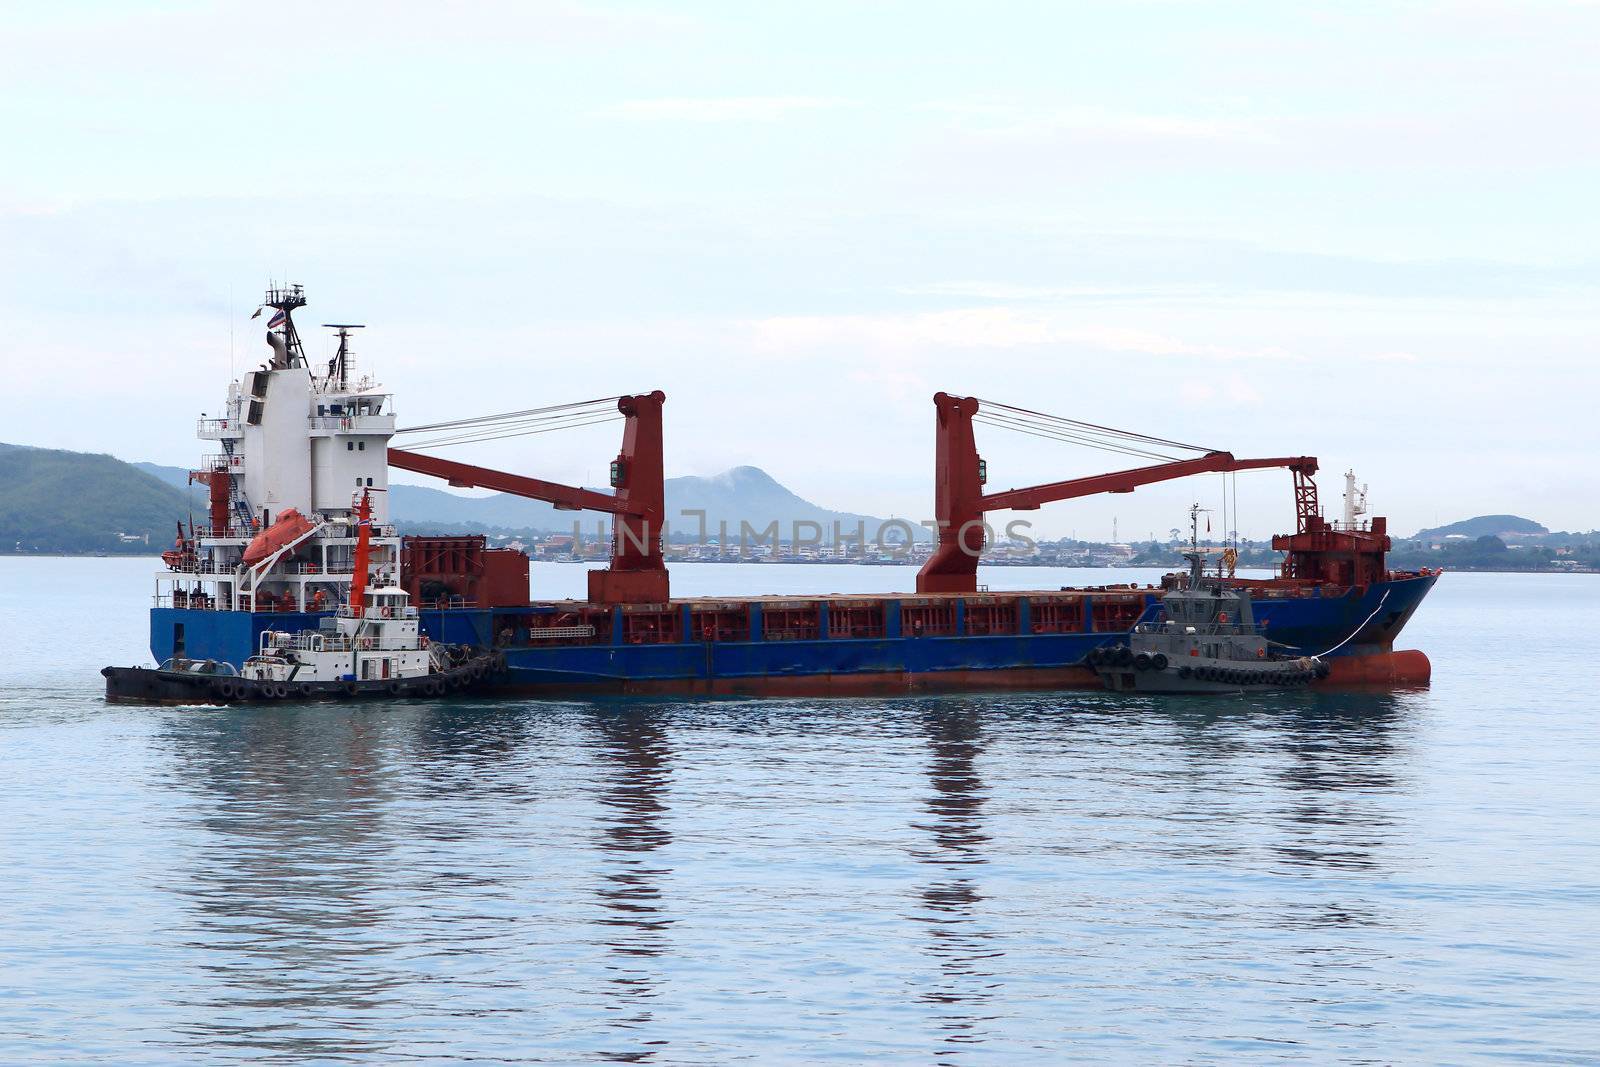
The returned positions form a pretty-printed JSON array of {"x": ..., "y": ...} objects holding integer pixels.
[
  {"x": 638, "y": 573},
  {"x": 960, "y": 502}
]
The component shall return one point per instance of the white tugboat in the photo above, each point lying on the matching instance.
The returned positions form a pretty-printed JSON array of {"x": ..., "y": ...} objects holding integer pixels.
[
  {"x": 372, "y": 650},
  {"x": 291, "y": 563},
  {"x": 1204, "y": 641}
]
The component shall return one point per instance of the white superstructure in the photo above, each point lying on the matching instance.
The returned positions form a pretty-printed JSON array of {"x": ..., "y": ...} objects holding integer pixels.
[
  {"x": 380, "y": 642},
  {"x": 293, "y": 440}
]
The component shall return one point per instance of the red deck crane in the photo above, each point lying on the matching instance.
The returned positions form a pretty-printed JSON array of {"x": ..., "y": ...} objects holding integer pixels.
[
  {"x": 638, "y": 573},
  {"x": 960, "y": 503}
]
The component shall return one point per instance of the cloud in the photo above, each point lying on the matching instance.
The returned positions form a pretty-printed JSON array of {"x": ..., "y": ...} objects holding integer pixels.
[
  {"x": 1233, "y": 392},
  {"x": 719, "y": 108},
  {"x": 980, "y": 328},
  {"x": 1010, "y": 122}
]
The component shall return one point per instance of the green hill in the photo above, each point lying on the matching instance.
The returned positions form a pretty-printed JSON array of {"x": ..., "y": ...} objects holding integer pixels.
[
  {"x": 1506, "y": 527},
  {"x": 55, "y": 501},
  {"x": 46, "y": 495}
]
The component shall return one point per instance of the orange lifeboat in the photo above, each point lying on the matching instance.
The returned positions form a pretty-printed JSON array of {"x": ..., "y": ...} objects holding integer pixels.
[{"x": 290, "y": 527}]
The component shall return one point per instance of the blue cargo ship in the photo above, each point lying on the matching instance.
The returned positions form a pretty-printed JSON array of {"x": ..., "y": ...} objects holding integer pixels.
[{"x": 298, "y": 447}]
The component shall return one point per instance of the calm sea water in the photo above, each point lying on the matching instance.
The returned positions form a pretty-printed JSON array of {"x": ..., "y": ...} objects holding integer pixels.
[{"x": 1036, "y": 878}]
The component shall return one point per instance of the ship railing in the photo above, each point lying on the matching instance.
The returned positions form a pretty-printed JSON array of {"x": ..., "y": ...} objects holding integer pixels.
[
  {"x": 209, "y": 428},
  {"x": 187, "y": 600},
  {"x": 223, "y": 461},
  {"x": 317, "y": 568},
  {"x": 352, "y": 423},
  {"x": 342, "y": 529},
  {"x": 306, "y": 641},
  {"x": 217, "y": 533},
  {"x": 445, "y": 602},
  {"x": 551, "y": 633},
  {"x": 192, "y": 566},
  {"x": 350, "y": 611}
]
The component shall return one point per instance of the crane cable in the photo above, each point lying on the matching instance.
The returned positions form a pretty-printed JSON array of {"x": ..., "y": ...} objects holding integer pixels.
[
  {"x": 450, "y": 424},
  {"x": 1035, "y": 429},
  {"x": 510, "y": 432},
  {"x": 1091, "y": 428},
  {"x": 517, "y": 423}
]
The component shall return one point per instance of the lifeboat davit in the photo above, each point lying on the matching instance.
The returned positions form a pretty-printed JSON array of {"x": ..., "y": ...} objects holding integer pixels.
[{"x": 290, "y": 527}]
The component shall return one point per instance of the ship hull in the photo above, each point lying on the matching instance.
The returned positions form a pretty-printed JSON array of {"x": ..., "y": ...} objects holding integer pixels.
[{"x": 1355, "y": 630}]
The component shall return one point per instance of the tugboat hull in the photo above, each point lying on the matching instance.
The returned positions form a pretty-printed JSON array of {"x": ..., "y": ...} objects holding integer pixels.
[
  {"x": 1213, "y": 676},
  {"x": 144, "y": 685}
]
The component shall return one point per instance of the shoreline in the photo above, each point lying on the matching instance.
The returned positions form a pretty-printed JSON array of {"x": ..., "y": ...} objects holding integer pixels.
[{"x": 834, "y": 563}]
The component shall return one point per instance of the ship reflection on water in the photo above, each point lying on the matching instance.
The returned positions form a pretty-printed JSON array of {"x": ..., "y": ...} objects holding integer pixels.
[
  {"x": 354, "y": 880},
  {"x": 634, "y": 917},
  {"x": 289, "y": 908},
  {"x": 958, "y": 941}
]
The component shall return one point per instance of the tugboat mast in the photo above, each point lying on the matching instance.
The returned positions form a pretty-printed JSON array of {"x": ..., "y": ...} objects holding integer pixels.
[{"x": 1195, "y": 557}]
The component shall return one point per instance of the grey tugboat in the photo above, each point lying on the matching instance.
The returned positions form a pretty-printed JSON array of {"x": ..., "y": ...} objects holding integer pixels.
[{"x": 1204, "y": 640}]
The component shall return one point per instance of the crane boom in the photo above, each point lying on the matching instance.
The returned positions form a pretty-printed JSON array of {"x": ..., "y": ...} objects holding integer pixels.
[
  {"x": 465, "y": 475},
  {"x": 638, "y": 572},
  {"x": 960, "y": 503}
]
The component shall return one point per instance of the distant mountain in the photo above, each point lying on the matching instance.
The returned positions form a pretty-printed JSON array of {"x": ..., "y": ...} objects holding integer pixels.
[
  {"x": 1505, "y": 527},
  {"x": 43, "y": 495},
  {"x": 68, "y": 502},
  {"x": 746, "y": 494},
  {"x": 178, "y": 478}
]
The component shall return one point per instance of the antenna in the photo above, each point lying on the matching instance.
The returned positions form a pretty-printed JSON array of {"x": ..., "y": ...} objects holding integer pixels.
[
  {"x": 339, "y": 365},
  {"x": 285, "y": 299},
  {"x": 1355, "y": 500}
]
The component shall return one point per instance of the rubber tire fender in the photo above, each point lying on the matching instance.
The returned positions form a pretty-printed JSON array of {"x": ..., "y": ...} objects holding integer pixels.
[
  {"x": 1124, "y": 655},
  {"x": 1159, "y": 662},
  {"x": 1141, "y": 662},
  {"x": 396, "y": 689},
  {"x": 227, "y": 689}
]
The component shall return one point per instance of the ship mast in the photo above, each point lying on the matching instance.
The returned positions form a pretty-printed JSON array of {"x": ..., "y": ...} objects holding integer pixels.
[
  {"x": 339, "y": 365},
  {"x": 1196, "y": 558},
  {"x": 285, "y": 300},
  {"x": 1355, "y": 500},
  {"x": 363, "y": 560}
]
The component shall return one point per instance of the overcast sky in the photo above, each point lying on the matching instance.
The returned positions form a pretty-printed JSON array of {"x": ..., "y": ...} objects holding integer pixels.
[{"x": 1366, "y": 232}]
